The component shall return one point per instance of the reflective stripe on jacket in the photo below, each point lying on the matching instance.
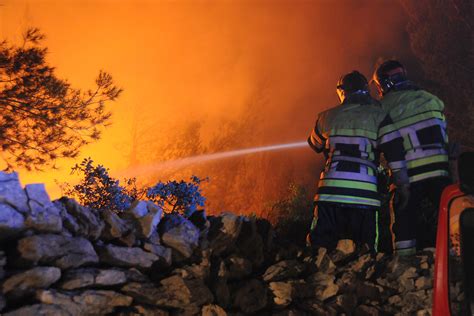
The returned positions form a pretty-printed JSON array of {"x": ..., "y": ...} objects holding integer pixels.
[
  {"x": 352, "y": 135},
  {"x": 418, "y": 115}
]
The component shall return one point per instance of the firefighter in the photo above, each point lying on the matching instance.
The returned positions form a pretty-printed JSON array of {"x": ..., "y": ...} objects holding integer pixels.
[
  {"x": 418, "y": 116},
  {"x": 351, "y": 135}
]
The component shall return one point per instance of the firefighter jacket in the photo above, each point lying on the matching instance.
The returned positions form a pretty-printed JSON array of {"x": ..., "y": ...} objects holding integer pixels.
[
  {"x": 352, "y": 136},
  {"x": 418, "y": 115}
]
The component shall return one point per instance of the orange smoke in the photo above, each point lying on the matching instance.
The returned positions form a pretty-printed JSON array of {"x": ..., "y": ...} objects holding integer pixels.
[{"x": 218, "y": 64}]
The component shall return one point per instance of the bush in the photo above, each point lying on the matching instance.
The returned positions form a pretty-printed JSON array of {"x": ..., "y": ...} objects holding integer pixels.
[
  {"x": 99, "y": 190},
  {"x": 292, "y": 215}
]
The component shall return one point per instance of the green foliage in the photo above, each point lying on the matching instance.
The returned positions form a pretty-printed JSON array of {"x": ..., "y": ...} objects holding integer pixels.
[
  {"x": 42, "y": 117},
  {"x": 292, "y": 215}
]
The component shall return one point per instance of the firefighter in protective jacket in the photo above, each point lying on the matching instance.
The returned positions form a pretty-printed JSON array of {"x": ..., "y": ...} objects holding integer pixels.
[
  {"x": 351, "y": 136},
  {"x": 418, "y": 116}
]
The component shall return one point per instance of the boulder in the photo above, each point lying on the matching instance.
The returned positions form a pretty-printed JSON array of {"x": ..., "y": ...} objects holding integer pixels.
[
  {"x": 145, "y": 216},
  {"x": 283, "y": 270},
  {"x": 142, "y": 310},
  {"x": 90, "y": 302},
  {"x": 180, "y": 234},
  {"x": 282, "y": 293},
  {"x": 27, "y": 282},
  {"x": 324, "y": 285},
  {"x": 322, "y": 261},
  {"x": 88, "y": 222},
  {"x": 92, "y": 277},
  {"x": 12, "y": 222},
  {"x": 223, "y": 232},
  {"x": 60, "y": 251},
  {"x": 236, "y": 267},
  {"x": 127, "y": 257},
  {"x": 251, "y": 296},
  {"x": 11, "y": 192}
]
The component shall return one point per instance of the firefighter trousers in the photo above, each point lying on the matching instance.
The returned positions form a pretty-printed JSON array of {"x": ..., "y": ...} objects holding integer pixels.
[
  {"x": 333, "y": 222},
  {"x": 415, "y": 226}
]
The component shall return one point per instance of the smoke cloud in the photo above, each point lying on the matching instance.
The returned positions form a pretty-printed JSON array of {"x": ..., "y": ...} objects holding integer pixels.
[{"x": 205, "y": 76}]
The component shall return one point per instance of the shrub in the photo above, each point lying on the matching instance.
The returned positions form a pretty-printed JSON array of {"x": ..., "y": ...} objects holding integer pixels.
[{"x": 97, "y": 189}]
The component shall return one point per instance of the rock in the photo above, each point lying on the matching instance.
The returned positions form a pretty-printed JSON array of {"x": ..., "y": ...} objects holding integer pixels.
[
  {"x": 60, "y": 251},
  {"x": 195, "y": 271},
  {"x": 282, "y": 293},
  {"x": 249, "y": 243},
  {"x": 364, "y": 310},
  {"x": 199, "y": 219},
  {"x": 323, "y": 263},
  {"x": 346, "y": 246},
  {"x": 43, "y": 216},
  {"x": 88, "y": 221},
  {"x": 163, "y": 253},
  {"x": 92, "y": 277},
  {"x": 367, "y": 290},
  {"x": 236, "y": 267},
  {"x": 316, "y": 308},
  {"x": 127, "y": 257},
  {"x": 224, "y": 232},
  {"x": 221, "y": 292},
  {"x": 346, "y": 302},
  {"x": 360, "y": 264},
  {"x": 174, "y": 292},
  {"x": 90, "y": 302},
  {"x": 213, "y": 310},
  {"x": 141, "y": 310},
  {"x": 424, "y": 283},
  {"x": 179, "y": 234},
  {"x": 145, "y": 216},
  {"x": 251, "y": 296},
  {"x": 69, "y": 222},
  {"x": 11, "y": 192},
  {"x": 283, "y": 270},
  {"x": 133, "y": 275},
  {"x": 12, "y": 222},
  {"x": 114, "y": 226},
  {"x": 324, "y": 285},
  {"x": 41, "y": 309},
  {"x": 27, "y": 282}
]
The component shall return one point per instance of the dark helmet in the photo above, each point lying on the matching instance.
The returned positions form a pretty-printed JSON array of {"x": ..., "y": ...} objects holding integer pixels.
[
  {"x": 388, "y": 75},
  {"x": 353, "y": 83}
]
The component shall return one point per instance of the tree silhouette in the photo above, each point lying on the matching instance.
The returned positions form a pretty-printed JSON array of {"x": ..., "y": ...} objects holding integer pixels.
[{"x": 42, "y": 117}]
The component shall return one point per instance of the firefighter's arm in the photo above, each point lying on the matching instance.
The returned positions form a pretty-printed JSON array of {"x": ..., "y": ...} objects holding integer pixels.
[
  {"x": 316, "y": 140},
  {"x": 390, "y": 142}
]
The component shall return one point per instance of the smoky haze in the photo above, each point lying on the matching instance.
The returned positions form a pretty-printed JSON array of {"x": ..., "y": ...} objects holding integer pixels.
[{"x": 207, "y": 76}]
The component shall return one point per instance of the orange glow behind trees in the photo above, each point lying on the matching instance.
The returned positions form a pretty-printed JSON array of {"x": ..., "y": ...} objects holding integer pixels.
[{"x": 205, "y": 76}]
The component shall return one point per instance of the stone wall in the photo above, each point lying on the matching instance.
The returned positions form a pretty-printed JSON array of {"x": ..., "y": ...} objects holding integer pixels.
[{"x": 60, "y": 258}]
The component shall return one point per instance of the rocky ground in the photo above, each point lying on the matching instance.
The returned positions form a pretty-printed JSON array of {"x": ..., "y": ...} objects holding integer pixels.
[{"x": 60, "y": 258}]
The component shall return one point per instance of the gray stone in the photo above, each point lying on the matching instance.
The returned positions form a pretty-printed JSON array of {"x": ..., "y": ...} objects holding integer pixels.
[
  {"x": 251, "y": 296},
  {"x": 43, "y": 216},
  {"x": 164, "y": 253},
  {"x": 12, "y": 222},
  {"x": 180, "y": 234},
  {"x": 114, "y": 226},
  {"x": 213, "y": 310},
  {"x": 90, "y": 302},
  {"x": 317, "y": 308},
  {"x": 89, "y": 223},
  {"x": 174, "y": 292},
  {"x": 11, "y": 192},
  {"x": 41, "y": 310},
  {"x": 145, "y": 215},
  {"x": 27, "y": 282},
  {"x": 127, "y": 257},
  {"x": 283, "y": 270},
  {"x": 92, "y": 277},
  {"x": 60, "y": 251},
  {"x": 141, "y": 310},
  {"x": 282, "y": 293},
  {"x": 346, "y": 302},
  {"x": 199, "y": 270},
  {"x": 224, "y": 231}
]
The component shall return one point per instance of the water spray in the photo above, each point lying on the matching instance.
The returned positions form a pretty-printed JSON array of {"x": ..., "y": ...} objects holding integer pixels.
[{"x": 184, "y": 162}]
